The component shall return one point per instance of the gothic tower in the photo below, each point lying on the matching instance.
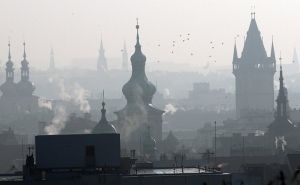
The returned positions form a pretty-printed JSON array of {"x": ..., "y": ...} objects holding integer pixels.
[
  {"x": 52, "y": 62},
  {"x": 254, "y": 72},
  {"x": 139, "y": 113},
  {"x": 124, "y": 58},
  {"x": 101, "y": 62}
]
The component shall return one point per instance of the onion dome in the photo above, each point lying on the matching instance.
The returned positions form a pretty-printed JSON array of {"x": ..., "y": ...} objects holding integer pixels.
[
  {"x": 25, "y": 87},
  {"x": 149, "y": 144},
  {"x": 103, "y": 127},
  {"x": 9, "y": 87},
  {"x": 138, "y": 87}
]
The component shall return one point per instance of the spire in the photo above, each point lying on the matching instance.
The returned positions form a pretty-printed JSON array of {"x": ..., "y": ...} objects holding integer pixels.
[
  {"x": 51, "y": 52},
  {"x": 272, "y": 50},
  {"x": 101, "y": 45},
  {"x": 254, "y": 49},
  {"x": 138, "y": 56},
  {"x": 24, "y": 55},
  {"x": 253, "y": 12},
  {"x": 281, "y": 98},
  {"x": 137, "y": 45},
  {"x": 103, "y": 111},
  {"x": 235, "y": 50},
  {"x": 9, "y": 57}
]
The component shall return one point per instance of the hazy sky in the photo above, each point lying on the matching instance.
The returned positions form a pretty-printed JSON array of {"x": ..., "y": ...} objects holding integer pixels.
[{"x": 74, "y": 28}]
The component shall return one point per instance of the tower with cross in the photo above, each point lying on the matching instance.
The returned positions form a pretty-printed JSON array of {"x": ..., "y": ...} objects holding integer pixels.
[
  {"x": 254, "y": 73},
  {"x": 139, "y": 112}
]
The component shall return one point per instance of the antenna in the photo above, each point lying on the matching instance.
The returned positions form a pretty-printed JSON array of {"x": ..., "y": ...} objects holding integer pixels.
[{"x": 280, "y": 58}]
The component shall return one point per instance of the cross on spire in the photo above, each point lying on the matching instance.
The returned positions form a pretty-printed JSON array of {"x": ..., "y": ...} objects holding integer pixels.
[{"x": 280, "y": 59}]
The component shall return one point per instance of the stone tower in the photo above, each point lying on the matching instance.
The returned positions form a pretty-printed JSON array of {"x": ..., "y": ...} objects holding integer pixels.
[
  {"x": 139, "y": 112},
  {"x": 254, "y": 72},
  {"x": 124, "y": 58},
  {"x": 101, "y": 62}
]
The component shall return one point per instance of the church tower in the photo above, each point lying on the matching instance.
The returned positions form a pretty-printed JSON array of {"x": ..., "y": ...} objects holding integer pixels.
[
  {"x": 124, "y": 58},
  {"x": 139, "y": 113},
  {"x": 281, "y": 124},
  {"x": 9, "y": 87},
  {"x": 101, "y": 62},
  {"x": 52, "y": 62},
  {"x": 254, "y": 72}
]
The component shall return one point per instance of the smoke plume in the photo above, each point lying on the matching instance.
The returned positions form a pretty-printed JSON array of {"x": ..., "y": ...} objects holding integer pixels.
[
  {"x": 44, "y": 103},
  {"x": 76, "y": 93},
  {"x": 59, "y": 121},
  {"x": 169, "y": 108}
]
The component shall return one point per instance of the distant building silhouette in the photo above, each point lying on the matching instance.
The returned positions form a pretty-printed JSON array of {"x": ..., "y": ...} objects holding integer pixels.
[
  {"x": 18, "y": 97},
  {"x": 103, "y": 127},
  {"x": 254, "y": 72},
  {"x": 295, "y": 61},
  {"x": 133, "y": 119},
  {"x": 282, "y": 124},
  {"x": 124, "y": 58},
  {"x": 101, "y": 62},
  {"x": 52, "y": 62}
]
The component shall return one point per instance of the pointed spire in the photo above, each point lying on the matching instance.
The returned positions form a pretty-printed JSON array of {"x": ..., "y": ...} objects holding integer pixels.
[
  {"x": 103, "y": 111},
  {"x": 272, "y": 50},
  {"x": 24, "y": 55},
  {"x": 9, "y": 56},
  {"x": 137, "y": 45},
  {"x": 101, "y": 44},
  {"x": 235, "y": 56},
  {"x": 51, "y": 53}
]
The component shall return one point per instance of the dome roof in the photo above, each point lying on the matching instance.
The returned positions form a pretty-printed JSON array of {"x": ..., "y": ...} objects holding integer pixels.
[
  {"x": 139, "y": 88},
  {"x": 103, "y": 127},
  {"x": 8, "y": 88},
  {"x": 25, "y": 87}
]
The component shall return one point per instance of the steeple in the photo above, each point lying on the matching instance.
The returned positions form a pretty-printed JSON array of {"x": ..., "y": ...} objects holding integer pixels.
[
  {"x": 138, "y": 87},
  {"x": 281, "y": 98},
  {"x": 52, "y": 62},
  {"x": 101, "y": 63},
  {"x": 24, "y": 68},
  {"x": 235, "y": 56},
  {"x": 9, "y": 67},
  {"x": 254, "y": 49},
  {"x": 103, "y": 126},
  {"x": 24, "y": 55},
  {"x": 272, "y": 50}
]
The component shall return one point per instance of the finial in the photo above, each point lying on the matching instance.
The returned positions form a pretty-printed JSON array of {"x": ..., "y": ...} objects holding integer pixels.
[
  {"x": 103, "y": 103},
  {"x": 137, "y": 23},
  {"x": 253, "y": 12},
  {"x": 272, "y": 38},
  {"x": 24, "y": 55},
  {"x": 9, "y": 57}
]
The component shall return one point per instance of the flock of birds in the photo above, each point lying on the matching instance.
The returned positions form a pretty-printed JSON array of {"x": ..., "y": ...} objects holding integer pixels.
[{"x": 191, "y": 54}]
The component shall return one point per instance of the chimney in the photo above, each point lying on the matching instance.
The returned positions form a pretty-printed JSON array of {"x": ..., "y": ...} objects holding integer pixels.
[{"x": 87, "y": 116}]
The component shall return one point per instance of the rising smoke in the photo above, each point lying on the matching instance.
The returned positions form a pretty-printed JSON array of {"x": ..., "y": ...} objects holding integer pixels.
[
  {"x": 59, "y": 121},
  {"x": 169, "y": 108},
  {"x": 71, "y": 92}
]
